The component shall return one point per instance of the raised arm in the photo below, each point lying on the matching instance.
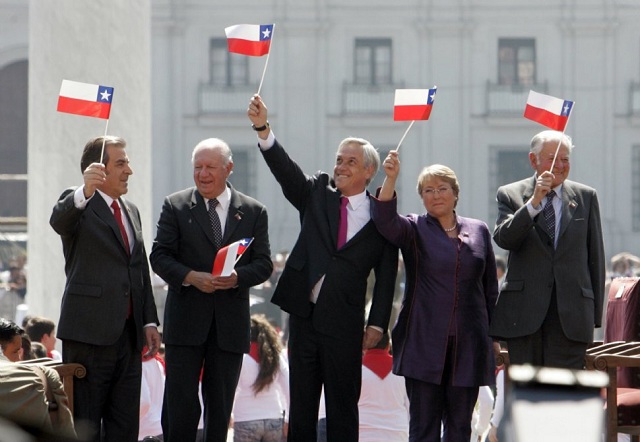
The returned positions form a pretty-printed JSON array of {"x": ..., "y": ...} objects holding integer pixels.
[{"x": 391, "y": 166}]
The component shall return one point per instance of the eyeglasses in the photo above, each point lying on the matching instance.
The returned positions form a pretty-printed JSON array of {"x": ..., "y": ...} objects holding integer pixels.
[{"x": 432, "y": 192}]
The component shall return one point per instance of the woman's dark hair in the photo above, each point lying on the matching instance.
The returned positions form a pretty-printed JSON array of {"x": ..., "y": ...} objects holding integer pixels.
[{"x": 269, "y": 348}]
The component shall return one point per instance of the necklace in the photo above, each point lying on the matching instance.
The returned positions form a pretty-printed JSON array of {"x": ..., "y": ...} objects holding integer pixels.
[{"x": 451, "y": 229}]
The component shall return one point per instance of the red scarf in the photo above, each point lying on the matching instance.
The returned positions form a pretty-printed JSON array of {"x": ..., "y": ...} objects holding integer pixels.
[
  {"x": 378, "y": 361},
  {"x": 253, "y": 352},
  {"x": 157, "y": 357}
]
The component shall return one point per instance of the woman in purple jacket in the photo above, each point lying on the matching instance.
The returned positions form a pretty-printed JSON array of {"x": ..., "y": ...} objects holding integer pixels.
[{"x": 441, "y": 339}]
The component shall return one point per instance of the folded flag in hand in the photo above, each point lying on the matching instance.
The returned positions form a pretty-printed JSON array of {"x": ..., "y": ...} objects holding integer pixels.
[
  {"x": 413, "y": 104},
  {"x": 227, "y": 257},
  {"x": 547, "y": 110},
  {"x": 253, "y": 40},
  {"x": 91, "y": 100}
]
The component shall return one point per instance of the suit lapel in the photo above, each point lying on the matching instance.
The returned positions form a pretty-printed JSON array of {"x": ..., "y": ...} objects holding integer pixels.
[
  {"x": 569, "y": 206},
  {"x": 201, "y": 215},
  {"x": 133, "y": 222},
  {"x": 103, "y": 211},
  {"x": 333, "y": 215},
  {"x": 234, "y": 215}
]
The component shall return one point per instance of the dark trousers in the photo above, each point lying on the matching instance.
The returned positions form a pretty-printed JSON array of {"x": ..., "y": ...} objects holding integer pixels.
[
  {"x": 316, "y": 359},
  {"x": 181, "y": 408},
  {"x": 107, "y": 399},
  {"x": 548, "y": 347}
]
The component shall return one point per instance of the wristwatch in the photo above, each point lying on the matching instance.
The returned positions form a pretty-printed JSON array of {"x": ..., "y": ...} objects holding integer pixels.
[{"x": 261, "y": 128}]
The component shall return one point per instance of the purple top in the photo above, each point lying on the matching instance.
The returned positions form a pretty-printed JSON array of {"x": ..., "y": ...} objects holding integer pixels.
[{"x": 450, "y": 290}]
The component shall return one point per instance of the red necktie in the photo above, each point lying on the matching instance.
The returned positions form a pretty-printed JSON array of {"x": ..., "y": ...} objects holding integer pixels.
[
  {"x": 118, "y": 216},
  {"x": 117, "y": 213},
  {"x": 342, "y": 229}
]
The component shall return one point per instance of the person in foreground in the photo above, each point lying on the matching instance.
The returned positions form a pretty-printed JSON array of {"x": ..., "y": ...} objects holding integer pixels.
[
  {"x": 108, "y": 312},
  {"x": 324, "y": 282},
  {"x": 206, "y": 317},
  {"x": 441, "y": 339},
  {"x": 552, "y": 295}
]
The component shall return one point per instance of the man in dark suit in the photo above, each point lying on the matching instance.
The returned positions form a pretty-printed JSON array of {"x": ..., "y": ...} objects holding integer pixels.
[
  {"x": 553, "y": 291},
  {"x": 108, "y": 312},
  {"x": 323, "y": 285},
  {"x": 206, "y": 317}
]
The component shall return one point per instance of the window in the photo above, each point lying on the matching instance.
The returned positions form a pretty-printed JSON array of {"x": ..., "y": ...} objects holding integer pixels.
[
  {"x": 243, "y": 174},
  {"x": 226, "y": 68},
  {"x": 516, "y": 61},
  {"x": 372, "y": 61},
  {"x": 507, "y": 165}
]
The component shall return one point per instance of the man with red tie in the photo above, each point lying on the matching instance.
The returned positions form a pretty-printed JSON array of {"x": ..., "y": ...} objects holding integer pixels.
[{"x": 108, "y": 313}]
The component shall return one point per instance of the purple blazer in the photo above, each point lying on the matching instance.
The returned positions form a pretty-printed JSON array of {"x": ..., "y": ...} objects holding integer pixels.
[{"x": 450, "y": 290}]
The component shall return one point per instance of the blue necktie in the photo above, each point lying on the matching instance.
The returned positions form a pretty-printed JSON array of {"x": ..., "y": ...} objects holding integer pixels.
[
  {"x": 550, "y": 215},
  {"x": 215, "y": 222}
]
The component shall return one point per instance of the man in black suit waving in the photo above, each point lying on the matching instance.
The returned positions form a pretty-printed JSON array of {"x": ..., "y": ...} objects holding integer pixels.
[
  {"x": 206, "y": 317},
  {"x": 108, "y": 312},
  {"x": 324, "y": 282}
]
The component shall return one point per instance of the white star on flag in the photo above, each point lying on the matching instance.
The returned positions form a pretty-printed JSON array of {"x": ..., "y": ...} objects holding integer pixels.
[
  {"x": 266, "y": 33},
  {"x": 105, "y": 95}
]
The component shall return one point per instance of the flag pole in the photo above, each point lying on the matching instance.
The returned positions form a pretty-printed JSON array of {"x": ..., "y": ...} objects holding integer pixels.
[
  {"x": 238, "y": 257},
  {"x": 104, "y": 139},
  {"x": 266, "y": 63},
  {"x": 553, "y": 163},
  {"x": 405, "y": 134}
]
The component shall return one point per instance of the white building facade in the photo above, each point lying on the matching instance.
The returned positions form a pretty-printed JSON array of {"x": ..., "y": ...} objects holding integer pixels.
[{"x": 332, "y": 72}]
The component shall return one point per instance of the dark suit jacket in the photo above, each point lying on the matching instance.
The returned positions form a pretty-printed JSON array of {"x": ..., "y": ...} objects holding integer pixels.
[
  {"x": 576, "y": 266},
  {"x": 100, "y": 275},
  {"x": 185, "y": 242},
  {"x": 339, "y": 311}
]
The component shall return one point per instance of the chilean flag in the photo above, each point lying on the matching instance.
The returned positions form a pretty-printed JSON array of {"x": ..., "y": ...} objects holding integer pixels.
[
  {"x": 227, "y": 257},
  {"x": 547, "y": 110},
  {"x": 91, "y": 100},
  {"x": 413, "y": 104},
  {"x": 253, "y": 40}
]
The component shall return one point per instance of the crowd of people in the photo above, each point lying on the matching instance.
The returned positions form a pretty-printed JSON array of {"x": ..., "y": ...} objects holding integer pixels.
[{"x": 339, "y": 374}]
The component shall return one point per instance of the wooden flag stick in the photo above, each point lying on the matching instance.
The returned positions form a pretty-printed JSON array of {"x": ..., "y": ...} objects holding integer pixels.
[
  {"x": 405, "y": 134},
  {"x": 104, "y": 139},
  {"x": 264, "y": 71}
]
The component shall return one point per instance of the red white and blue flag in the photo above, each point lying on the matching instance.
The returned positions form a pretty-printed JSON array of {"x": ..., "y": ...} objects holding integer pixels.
[
  {"x": 253, "y": 40},
  {"x": 91, "y": 100},
  {"x": 227, "y": 257},
  {"x": 547, "y": 110},
  {"x": 413, "y": 104}
]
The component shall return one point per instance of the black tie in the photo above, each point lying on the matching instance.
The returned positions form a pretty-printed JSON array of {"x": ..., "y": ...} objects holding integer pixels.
[
  {"x": 215, "y": 222},
  {"x": 550, "y": 215}
]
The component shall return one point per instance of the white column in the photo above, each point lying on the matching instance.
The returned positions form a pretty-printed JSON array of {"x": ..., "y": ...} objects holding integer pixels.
[{"x": 104, "y": 42}]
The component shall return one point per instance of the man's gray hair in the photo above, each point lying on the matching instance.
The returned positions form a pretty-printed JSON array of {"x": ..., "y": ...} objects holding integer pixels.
[
  {"x": 541, "y": 138},
  {"x": 214, "y": 144}
]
